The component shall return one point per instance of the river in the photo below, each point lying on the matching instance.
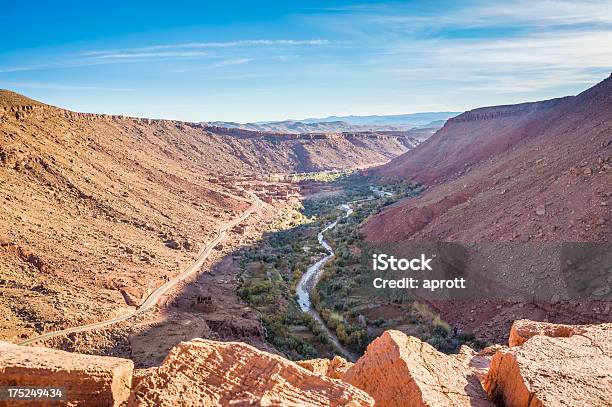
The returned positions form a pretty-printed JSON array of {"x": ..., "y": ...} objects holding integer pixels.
[
  {"x": 310, "y": 279},
  {"x": 313, "y": 274}
]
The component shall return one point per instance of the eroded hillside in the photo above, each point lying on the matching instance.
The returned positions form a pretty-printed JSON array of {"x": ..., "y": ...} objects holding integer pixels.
[
  {"x": 535, "y": 171},
  {"x": 529, "y": 174},
  {"x": 99, "y": 210}
]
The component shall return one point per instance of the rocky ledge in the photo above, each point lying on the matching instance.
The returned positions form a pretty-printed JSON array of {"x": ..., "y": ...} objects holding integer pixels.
[
  {"x": 85, "y": 379},
  {"x": 209, "y": 373},
  {"x": 555, "y": 365},
  {"x": 545, "y": 365}
]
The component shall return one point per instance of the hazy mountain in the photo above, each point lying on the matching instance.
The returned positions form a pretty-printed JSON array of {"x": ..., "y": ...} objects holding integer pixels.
[
  {"x": 339, "y": 124},
  {"x": 296, "y": 127},
  {"x": 404, "y": 120}
]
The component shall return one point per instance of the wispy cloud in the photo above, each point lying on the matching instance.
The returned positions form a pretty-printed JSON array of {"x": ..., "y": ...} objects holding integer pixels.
[
  {"x": 168, "y": 52},
  {"x": 547, "y": 12},
  {"x": 203, "y": 45},
  {"x": 525, "y": 63},
  {"x": 91, "y": 61},
  {"x": 542, "y": 45},
  {"x": 151, "y": 55},
  {"x": 544, "y": 13},
  {"x": 58, "y": 86},
  {"x": 229, "y": 62}
]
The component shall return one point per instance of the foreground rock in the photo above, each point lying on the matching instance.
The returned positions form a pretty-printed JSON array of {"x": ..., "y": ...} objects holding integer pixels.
[
  {"x": 573, "y": 368},
  {"x": 523, "y": 329},
  {"x": 334, "y": 368},
  {"x": 87, "y": 380},
  {"x": 203, "y": 372},
  {"x": 480, "y": 362},
  {"x": 553, "y": 371},
  {"x": 398, "y": 370}
]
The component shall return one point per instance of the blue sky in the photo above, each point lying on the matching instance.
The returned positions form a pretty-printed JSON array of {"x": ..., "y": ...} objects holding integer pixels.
[{"x": 258, "y": 60}]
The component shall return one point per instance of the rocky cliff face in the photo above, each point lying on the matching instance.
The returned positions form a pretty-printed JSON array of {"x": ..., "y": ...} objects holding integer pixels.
[
  {"x": 574, "y": 369},
  {"x": 400, "y": 370}
]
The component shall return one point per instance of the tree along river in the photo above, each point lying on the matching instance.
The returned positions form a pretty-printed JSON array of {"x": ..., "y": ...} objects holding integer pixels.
[{"x": 313, "y": 274}]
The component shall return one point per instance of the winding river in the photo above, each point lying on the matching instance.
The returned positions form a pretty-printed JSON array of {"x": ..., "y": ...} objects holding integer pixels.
[
  {"x": 310, "y": 279},
  {"x": 313, "y": 274}
]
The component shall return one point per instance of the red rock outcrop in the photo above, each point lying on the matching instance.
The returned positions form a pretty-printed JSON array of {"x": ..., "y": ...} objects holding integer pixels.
[
  {"x": 318, "y": 366},
  {"x": 553, "y": 371},
  {"x": 208, "y": 373},
  {"x": 523, "y": 329},
  {"x": 398, "y": 370},
  {"x": 334, "y": 368},
  {"x": 86, "y": 379}
]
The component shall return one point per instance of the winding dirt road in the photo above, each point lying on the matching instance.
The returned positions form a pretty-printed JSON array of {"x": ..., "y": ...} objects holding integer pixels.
[{"x": 155, "y": 295}]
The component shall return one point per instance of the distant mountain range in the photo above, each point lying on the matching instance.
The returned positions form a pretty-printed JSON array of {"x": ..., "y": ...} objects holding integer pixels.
[
  {"x": 338, "y": 124},
  {"x": 407, "y": 120}
]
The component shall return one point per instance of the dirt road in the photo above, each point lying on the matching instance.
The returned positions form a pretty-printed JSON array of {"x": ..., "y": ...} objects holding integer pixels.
[{"x": 155, "y": 295}]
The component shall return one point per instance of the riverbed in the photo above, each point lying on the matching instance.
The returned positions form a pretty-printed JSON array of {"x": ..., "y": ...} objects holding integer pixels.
[{"x": 312, "y": 276}]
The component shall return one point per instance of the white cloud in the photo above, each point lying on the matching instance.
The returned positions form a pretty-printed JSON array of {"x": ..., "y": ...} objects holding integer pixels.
[
  {"x": 532, "y": 46},
  {"x": 229, "y": 62},
  {"x": 542, "y": 13},
  {"x": 547, "y": 12},
  {"x": 60, "y": 87},
  {"x": 562, "y": 50},
  {"x": 151, "y": 55},
  {"x": 528, "y": 63},
  {"x": 203, "y": 45}
]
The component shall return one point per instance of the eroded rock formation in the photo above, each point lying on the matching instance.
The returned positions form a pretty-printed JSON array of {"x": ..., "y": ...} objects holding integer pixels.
[
  {"x": 523, "y": 329},
  {"x": 551, "y": 365},
  {"x": 212, "y": 373},
  {"x": 334, "y": 368},
  {"x": 399, "y": 370},
  {"x": 86, "y": 379},
  {"x": 571, "y": 370}
]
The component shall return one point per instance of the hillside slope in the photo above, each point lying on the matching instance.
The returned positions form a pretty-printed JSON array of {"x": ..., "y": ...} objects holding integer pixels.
[
  {"x": 468, "y": 139},
  {"x": 530, "y": 176},
  {"x": 91, "y": 203},
  {"x": 534, "y": 171}
]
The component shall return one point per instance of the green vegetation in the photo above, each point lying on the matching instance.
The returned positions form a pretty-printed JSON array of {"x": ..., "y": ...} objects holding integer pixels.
[
  {"x": 356, "y": 313},
  {"x": 323, "y": 176},
  {"x": 272, "y": 268}
]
